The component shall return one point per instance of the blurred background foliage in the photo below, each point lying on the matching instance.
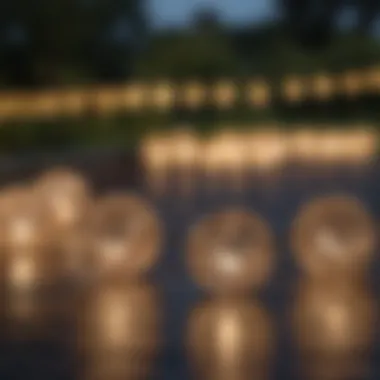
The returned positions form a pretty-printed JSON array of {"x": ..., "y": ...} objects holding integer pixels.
[{"x": 61, "y": 43}]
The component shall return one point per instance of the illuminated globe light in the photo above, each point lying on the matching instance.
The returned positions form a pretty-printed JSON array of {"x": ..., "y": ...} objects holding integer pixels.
[
  {"x": 294, "y": 89},
  {"x": 362, "y": 145},
  {"x": 334, "y": 329},
  {"x": 332, "y": 237},
  {"x": 352, "y": 83},
  {"x": 27, "y": 238},
  {"x": 67, "y": 196},
  {"x": 185, "y": 149},
  {"x": 266, "y": 150},
  {"x": 126, "y": 236},
  {"x": 230, "y": 252},
  {"x": 25, "y": 270},
  {"x": 223, "y": 158},
  {"x": 225, "y": 93},
  {"x": 120, "y": 331},
  {"x": 230, "y": 339},
  {"x": 155, "y": 157},
  {"x": 332, "y": 144},
  {"x": 304, "y": 146},
  {"x": 372, "y": 77},
  {"x": 163, "y": 95},
  {"x": 24, "y": 220},
  {"x": 323, "y": 87}
]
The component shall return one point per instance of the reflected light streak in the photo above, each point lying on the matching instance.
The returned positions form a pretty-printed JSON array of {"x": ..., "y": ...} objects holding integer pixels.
[
  {"x": 120, "y": 331},
  {"x": 230, "y": 339},
  {"x": 334, "y": 324}
]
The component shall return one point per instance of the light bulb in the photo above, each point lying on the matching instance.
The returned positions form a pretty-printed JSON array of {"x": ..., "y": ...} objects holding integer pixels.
[
  {"x": 24, "y": 220},
  {"x": 266, "y": 150},
  {"x": 230, "y": 339},
  {"x": 66, "y": 195},
  {"x": 120, "y": 330},
  {"x": 223, "y": 154},
  {"x": 303, "y": 146},
  {"x": 333, "y": 326},
  {"x": 333, "y": 236},
  {"x": 231, "y": 252},
  {"x": 31, "y": 269},
  {"x": 185, "y": 149},
  {"x": 125, "y": 235}
]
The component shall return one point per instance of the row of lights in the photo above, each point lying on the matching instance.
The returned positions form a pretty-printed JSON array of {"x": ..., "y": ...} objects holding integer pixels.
[
  {"x": 55, "y": 226},
  {"x": 121, "y": 235},
  {"x": 165, "y": 95},
  {"x": 234, "y": 153},
  {"x": 229, "y": 253},
  {"x": 332, "y": 316}
]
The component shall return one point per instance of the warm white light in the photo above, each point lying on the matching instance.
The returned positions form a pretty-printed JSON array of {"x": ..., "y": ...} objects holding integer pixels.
[
  {"x": 230, "y": 339},
  {"x": 66, "y": 195},
  {"x": 304, "y": 146},
  {"x": 333, "y": 236},
  {"x": 22, "y": 271},
  {"x": 155, "y": 155},
  {"x": 333, "y": 326},
  {"x": 364, "y": 145},
  {"x": 120, "y": 330},
  {"x": 230, "y": 252},
  {"x": 125, "y": 235},
  {"x": 184, "y": 149},
  {"x": 223, "y": 153},
  {"x": 24, "y": 220},
  {"x": 266, "y": 150}
]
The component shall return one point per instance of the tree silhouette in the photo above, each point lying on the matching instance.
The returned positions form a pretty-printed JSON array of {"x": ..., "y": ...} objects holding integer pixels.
[
  {"x": 66, "y": 36},
  {"x": 313, "y": 23}
]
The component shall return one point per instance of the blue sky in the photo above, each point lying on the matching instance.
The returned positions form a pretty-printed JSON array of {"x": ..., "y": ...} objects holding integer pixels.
[{"x": 167, "y": 13}]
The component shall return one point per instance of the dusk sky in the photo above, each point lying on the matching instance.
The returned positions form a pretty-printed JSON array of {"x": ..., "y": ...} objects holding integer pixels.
[{"x": 167, "y": 13}]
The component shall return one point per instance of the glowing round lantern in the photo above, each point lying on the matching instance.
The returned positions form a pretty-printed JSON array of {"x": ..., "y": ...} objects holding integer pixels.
[
  {"x": 66, "y": 195},
  {"x": 333, "y": 236},
  {"x": 24, "y": 220},
  {"x": 126, "y": 236},
  {"x": 230, "y": 252}
]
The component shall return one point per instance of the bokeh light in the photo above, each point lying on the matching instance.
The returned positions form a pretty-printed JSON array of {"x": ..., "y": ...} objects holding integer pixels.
[
  {"x": 333, "y": 236},
  {"x": 120, "y": 331},
  {"x": 126, "y": 235},
  {"x": 24, "y": 220},
  {"x": 66, "y": 195},
  {"x": 231, "y": 252},
  {"x": 333, "y": 326},
  {"x": 230, "y": 339}
]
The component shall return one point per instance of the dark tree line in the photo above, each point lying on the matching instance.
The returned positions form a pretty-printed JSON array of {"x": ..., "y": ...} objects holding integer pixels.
[{"x": 46, "y": 43}]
